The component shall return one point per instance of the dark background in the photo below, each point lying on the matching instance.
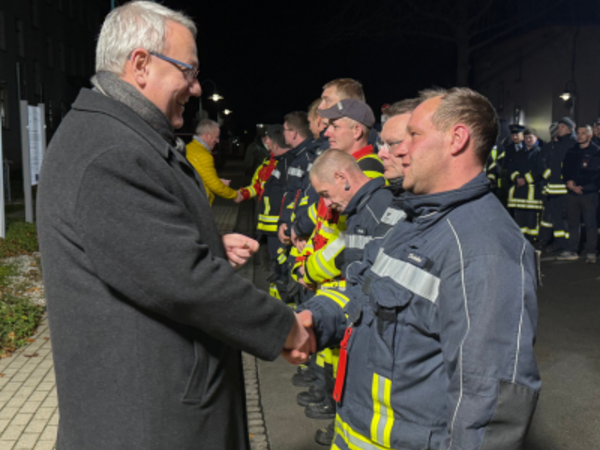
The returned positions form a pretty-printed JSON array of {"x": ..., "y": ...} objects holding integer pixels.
[{"x": 268, "y": 58}]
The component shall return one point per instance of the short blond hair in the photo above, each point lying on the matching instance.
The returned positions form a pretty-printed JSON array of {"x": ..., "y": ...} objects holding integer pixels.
[
  {"x": 330, "y": 162},
  {"x": 347, "y": 88}
]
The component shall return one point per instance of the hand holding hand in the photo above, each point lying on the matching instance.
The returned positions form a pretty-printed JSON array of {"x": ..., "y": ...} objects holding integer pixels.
[
  {"x": 239, "y": 198},
  {"x": 239, "y": 248},
  {"x": 301, "y": 341}
]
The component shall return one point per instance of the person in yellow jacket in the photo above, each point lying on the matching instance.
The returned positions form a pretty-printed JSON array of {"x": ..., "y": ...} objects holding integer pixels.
[{"x": 198, "y": 153}]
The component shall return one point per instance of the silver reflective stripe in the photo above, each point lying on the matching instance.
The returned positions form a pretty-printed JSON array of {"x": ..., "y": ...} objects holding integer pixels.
[
  {"x": 276, "y": 173},
  {"x": 405, "y": 274},
  {"x": 296, "y": 172},
  {"x": 393, "y": 216},
  {"x": 309, "y": 167},
  {"x": 357, "y": 241},
  {"x": 333, "y": 248},
  {"x": 351, "y": 439}
]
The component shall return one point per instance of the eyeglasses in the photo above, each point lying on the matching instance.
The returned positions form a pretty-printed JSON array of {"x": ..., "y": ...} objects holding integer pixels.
[
  {"x": 388, "y": 146},
  {"x": 189, "y": 72}
]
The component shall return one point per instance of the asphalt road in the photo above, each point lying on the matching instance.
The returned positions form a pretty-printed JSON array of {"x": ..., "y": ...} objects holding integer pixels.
[{"x": 568, "y": 354}]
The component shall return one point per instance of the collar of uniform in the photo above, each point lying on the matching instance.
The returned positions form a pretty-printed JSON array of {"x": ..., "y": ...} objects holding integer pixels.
[
  {"x": 91, "y": 101},
  {"x": 417, "y": 206},
  {"x": 302, "y": 146},
  {"x": 368, "y": 150},
  {"x": 363, "y": 195},
  {"x": 202, "y": 142}
]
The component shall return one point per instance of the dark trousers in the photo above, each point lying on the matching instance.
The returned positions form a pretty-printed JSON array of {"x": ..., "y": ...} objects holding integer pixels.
[
  {"x": 554, "y": 213},
  {"x": 585, "y": 205},
  {"x": 527, "y": 219}
]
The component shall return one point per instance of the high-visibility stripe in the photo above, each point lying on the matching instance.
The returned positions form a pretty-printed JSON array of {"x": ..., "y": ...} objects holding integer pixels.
[
  {"x": 264, "y": 227},
  {"x": 405, "y": 274},
  {"x": 334, "y": 247},
  {"x": 304, "y": 201},
  {"x": 273, "y": 292},
  {"x": 276, "y": 173},
  {"x": 547, "y": 173},
  {"x": 269, "y": 219},
  {"x": 296, "y": 172},
  {"x": 528, "y": 177},
  {"x": 546, "y": 224},
  {"x": 357, "y": 241},
  {"x": 321, "y": 265},
  {"x": 312, "y": 212},
  {"x": 531, "y": 192},
  {"x": 393, "y": 216},
  {"x": 281, "y": 259},
  {"x": 514, "y": 175},
  {"x": 352, "y": 439},
  {"x": 383, "y": 414},
  {"x": 336, "y": 296},
  {"x": 267, "y": 206},
  {"x": 372, "y": 174}
]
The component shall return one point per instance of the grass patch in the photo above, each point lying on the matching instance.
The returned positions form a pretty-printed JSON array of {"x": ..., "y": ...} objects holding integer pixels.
[
  {"x": 19, "y": 317},
  {"x": 21, "y": 239}
]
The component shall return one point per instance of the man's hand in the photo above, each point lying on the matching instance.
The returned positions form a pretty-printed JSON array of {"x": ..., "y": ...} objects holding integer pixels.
[
  {"x": 297, "y": 242},
  {"x": 282, "y": 236},
  {"x": 239, "y": 248},
  {"x": 301, "y": 341},
  {"x": 520, "y": 181},
  {"x": 239, "y": 197},
  {"x": 225, "y": 182},
  {"x": 570, "y": 185},
  {"x": 578, "y": 190},
  {"x": 307, "y": 285}
]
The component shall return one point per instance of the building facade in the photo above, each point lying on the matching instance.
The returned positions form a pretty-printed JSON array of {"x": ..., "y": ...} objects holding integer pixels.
[
  {"x": 525, "y": 76},
  {"x": 47, "y": 53}
]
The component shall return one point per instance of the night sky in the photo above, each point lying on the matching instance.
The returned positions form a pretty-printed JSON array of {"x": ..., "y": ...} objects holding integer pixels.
[{"x": 270, "y": 58}]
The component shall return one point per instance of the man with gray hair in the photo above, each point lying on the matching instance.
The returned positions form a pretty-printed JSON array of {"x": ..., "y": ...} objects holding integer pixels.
[
  {"x": 199, "y": 154},
  {"x": 147, "y": 315}
]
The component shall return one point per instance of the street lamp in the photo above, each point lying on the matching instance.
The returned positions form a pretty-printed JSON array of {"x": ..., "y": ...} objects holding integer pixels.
[
  {"x": 216, "y": 97},
  {"x": 570, "y": 93},
  {"x": 227, "y": 112}
]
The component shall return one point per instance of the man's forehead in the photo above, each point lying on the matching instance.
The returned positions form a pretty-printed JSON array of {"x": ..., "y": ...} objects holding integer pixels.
[
  {"x": 395, "y": 125},
  {"x": 424, "y": 111}
]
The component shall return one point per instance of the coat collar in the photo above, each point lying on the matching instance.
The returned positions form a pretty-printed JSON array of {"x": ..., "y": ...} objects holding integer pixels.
[{"x": 363, "y": 195}]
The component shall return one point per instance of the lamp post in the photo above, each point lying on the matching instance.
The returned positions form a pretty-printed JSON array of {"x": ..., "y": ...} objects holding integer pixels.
[
  {"x": 570, "y": 94},
  {"x": 215, "y": 97}
]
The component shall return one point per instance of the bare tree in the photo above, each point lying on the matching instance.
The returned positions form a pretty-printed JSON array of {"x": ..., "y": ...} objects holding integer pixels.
[{"x": 468, "y": 25}]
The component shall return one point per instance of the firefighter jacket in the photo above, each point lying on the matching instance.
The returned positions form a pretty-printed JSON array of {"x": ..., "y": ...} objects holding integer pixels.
[
  {"x": 320, "y": 265},
  {"x": 204, "y": 163},
  {"x": 260, "y": 177},
  {"x": 440, "y": 352},
  {"x": 272, "y": 199},
  {"x": 296, "y": 177},
  {"x": 524, "y": 165},
  {"x": 582, "y": 166},
  {"x": 306, "y": 212},
  {"x": 553, "y": 155}
]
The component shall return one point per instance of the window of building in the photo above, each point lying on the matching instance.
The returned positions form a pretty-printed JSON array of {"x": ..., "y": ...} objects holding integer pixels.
[
  {"x": 20, "y": 35},
  {"x": 50, "y": 52},
  {"x": 2, "y": 32},
  {"x": 35, "y": 13},
  {"x": 4, "y": 107}
]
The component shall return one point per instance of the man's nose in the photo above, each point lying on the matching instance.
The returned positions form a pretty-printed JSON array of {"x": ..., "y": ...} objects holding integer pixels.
[{"x": 195, "y": 88}]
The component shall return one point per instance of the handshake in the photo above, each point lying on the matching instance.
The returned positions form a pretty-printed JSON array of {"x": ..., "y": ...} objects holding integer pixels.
[{"x": 301, "y": 341}]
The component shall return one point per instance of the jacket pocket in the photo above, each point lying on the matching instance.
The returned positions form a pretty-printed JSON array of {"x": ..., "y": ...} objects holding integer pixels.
[
  {"x": 388, "y": 301},
  {"x": 196, "y": 384}
]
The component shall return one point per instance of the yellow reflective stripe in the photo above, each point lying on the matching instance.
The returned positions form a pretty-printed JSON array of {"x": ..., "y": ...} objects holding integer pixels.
[
  {"x": 502, "y": 155},
  {"x": 335, "y": 447},
  {"x": 267, "y": 205},
  {"x": 514, "y": 175},
  {"x": 338, "y": 298},
  {"x": 304, "y": 201},
  {"x": 546, "y": 224},
  {"x": 268, "y": 219},
  {"x": 383, "y": 414},
  {"x": 529, "y": 177},
  {"x": 335, "y": 247},
  {"x": 320, "y": 359},
  {"x": 531, "y": 192},
  {"x": 372, "y": 174},
  {"x": 281, "y": 259},
  {"x": 547, "y": 173},
  {"x": 354, "y": 440},
  {"x": 312, "y": 212},
  {"x": 264, "y": 227},
  {"x": 273, "y": 292}
]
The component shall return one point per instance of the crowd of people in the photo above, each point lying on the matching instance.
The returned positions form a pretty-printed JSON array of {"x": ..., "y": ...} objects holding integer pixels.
[
  {"x": 344, "y": 208},
  {"x": 551, "y": 188},
  {"x": 412, "y": 289}
]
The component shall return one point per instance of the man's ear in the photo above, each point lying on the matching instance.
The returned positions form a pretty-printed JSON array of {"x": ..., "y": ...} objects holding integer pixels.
[
  {"x": 357, "y": 132},
  {"x": 340, "y": 177},
  {"x": 138, "y": 66},
  {"x": 460, "y": 138}
]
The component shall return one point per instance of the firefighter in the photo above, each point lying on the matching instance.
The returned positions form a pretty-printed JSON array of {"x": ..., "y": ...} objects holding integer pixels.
[{"x": 438, "y": 337}]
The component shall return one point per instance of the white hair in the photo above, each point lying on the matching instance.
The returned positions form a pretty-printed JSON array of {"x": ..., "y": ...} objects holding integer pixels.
[
  {"x": 206, "y": 126},
  {"x": 137, "y": 24}
]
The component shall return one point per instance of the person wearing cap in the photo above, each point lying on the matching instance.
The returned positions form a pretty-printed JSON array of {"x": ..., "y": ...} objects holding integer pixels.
[
  {"x": 318, "y": 266},
  {"x": 581, "y": 173},
  {"x": 524, "y": 195},
  {"x": 553, "y": 234}
]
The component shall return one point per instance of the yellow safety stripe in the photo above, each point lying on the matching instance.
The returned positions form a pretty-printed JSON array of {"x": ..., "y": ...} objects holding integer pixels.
[
  {"x": 383, "y": 414},
  {"x": 514, "y": 175},
  {"x": 282, "y": 258},
  {"x": 268, "y": 219},
  {"x": 502, "y": 155},
  {"x": 354, "y": 440},
  {"x": 547, "y": 173},
  {"x": 546, "y": 224},
  {"x": 304, "y": 201},
  {"x": 531, "y": 192},
  {"x": 273, "y": 292},
  {"x": 336, "y": 296},
  {"x": 312, "y": 212},
  {"x": 372, "y": 174},
  {"x": 264, "y": 227},
  {"x": 491, "y": 176},
  {"x": 530, "y": 231},
  {"x": 320, "y": 359},
  {"x": 529, "y": 177}
]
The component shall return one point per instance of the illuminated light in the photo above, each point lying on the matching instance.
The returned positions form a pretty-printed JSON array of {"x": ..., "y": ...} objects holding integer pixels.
[
  {"x": 216, "y": 97},
  {"x": 565, "y": 96},
  {"x": 227, "y": 112}
]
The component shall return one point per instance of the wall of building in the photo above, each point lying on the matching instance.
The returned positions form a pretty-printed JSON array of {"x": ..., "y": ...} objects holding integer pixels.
[
  {"x": 46, "y": 55},
  {"x": 524, "y": 76}
]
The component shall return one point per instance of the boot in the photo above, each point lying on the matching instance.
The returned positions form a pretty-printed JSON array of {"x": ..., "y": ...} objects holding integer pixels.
[
  {"x": 313, "y": 395},
  {"x": 322, "y": 410},
  {"x": 324, "y": 436},
  {"x": 304, "y": 378}
]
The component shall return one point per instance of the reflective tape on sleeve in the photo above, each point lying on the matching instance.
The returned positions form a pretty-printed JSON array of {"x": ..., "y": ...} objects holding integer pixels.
[{"x": 392, "y": 216}]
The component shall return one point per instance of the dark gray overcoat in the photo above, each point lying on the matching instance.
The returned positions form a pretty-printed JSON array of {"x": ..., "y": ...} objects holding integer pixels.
[{"x": 146, "y": 315}]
